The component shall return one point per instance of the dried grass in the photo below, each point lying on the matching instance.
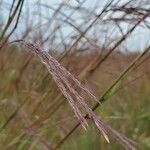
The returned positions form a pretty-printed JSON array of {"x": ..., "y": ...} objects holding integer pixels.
[{"x": 64, "y": 80}]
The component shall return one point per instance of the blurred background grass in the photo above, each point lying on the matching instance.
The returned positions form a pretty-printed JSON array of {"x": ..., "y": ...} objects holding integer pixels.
[
  {"x": 81, "y": 35},
  {"x": 26, "y": 99}
]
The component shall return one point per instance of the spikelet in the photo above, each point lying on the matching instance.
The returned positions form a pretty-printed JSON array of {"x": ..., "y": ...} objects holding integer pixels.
[{"x": 64, "y": 80}]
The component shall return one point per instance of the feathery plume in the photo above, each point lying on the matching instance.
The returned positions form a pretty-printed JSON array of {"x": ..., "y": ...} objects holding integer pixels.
[{"x": 64, "y": 80}]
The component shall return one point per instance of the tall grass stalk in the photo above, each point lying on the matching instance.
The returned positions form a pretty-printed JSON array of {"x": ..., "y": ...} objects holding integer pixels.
[
  {"x": 17, "y": 9},
  {"x": 64, "y": 80}
]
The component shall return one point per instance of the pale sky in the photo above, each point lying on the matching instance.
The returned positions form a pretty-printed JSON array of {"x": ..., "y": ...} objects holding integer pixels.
[{"x": 138, "y": 40}]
